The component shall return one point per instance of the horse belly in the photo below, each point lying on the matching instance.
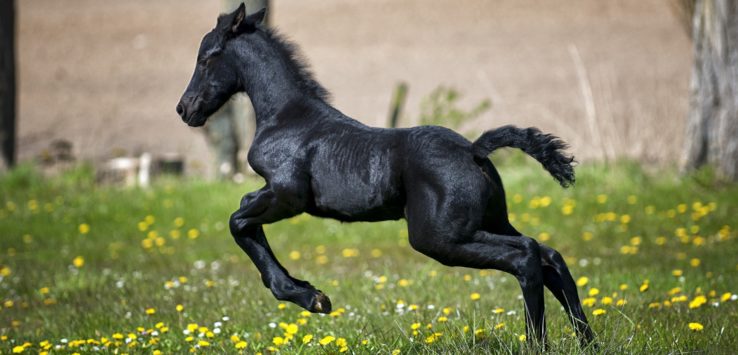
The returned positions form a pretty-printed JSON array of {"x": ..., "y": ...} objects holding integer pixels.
[{"x": 354, "y": 199}]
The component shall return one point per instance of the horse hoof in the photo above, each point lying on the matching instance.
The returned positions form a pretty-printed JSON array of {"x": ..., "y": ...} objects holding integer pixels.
[{"x": 321, "y": 304}]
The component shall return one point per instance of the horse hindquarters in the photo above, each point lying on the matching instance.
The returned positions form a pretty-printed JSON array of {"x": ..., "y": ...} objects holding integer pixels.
[{"x": 445, "y": 211}]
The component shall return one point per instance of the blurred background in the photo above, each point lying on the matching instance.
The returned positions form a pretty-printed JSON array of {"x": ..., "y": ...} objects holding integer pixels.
[
  {"x": 611, "y": 78},
  {"x": 645, "y": 92}
]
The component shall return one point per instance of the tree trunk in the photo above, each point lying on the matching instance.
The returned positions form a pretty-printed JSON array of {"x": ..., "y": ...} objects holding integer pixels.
[
  {"x": 226, "y": 131},
  {"x": 712, "y": 125},
  {"x": 7, "y": 84}
]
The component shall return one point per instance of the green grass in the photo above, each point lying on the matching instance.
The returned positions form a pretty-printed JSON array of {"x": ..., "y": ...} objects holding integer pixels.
[{"x": 169, "y": 245}]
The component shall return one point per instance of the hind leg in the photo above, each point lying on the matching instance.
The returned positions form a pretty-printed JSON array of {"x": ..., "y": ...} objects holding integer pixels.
[
  {"x": 444, "y": 226},
  {"x": 517, "y": 256},
  {"x": 556, "y": 277},
  {"x": 558, "y": 280}
]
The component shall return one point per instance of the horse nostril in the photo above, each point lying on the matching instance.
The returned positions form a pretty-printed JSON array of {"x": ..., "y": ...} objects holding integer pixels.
[{"x": 180, "y": 109}]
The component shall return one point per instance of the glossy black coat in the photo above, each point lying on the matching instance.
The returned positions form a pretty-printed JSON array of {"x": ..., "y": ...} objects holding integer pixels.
[{"x": 317, "y": 160}]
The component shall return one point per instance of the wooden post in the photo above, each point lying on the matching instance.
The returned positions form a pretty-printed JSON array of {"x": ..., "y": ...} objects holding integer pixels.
[{"x": 7, "y": 84}]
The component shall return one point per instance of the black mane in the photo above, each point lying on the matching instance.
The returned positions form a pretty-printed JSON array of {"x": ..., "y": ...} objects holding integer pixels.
[{"x": 298, "y": 65}]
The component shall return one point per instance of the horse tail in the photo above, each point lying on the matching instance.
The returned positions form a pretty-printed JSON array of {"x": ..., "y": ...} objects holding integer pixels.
[{"x": 545, "y": 148}]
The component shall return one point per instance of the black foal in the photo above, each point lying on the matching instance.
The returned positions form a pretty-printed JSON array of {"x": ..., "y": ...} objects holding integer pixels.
[{"x": 317, "y": 160}]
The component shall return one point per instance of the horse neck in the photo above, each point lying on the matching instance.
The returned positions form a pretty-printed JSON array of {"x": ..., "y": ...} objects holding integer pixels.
[{"x": 271, "y": 86}]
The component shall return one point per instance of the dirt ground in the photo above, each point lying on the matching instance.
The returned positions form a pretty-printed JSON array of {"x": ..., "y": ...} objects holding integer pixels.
[{"x": 611, "y": 77}]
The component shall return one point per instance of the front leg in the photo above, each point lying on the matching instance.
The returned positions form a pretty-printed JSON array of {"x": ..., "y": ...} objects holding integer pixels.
[
  {"x": 270, "y": 204},
  {"x": 250, "y": 237}
]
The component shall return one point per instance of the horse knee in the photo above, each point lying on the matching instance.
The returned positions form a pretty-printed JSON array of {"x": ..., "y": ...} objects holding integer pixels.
[
  {"x": 237, "y": 226},
  {"x": 551, "y": 257},
  {"x": 530, "y": 270}
]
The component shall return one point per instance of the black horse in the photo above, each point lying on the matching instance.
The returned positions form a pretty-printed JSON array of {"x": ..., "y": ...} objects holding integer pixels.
[{"x": 317, "y": 160}]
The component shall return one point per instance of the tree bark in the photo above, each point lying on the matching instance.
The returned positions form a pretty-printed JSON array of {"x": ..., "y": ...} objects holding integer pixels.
[
  {"x": 7, "y": 84},
  {"x": 226, "y": 131},
  {"x": 712, "y": 124}
]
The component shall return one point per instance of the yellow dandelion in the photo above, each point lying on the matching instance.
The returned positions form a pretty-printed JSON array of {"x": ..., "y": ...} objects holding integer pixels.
[
  {"x": 143, "y": 226},
  {"x": 403, "y": 283},
  {"x": 598, "y": 312},
  {"x": 179, "y": 308},
  {"x": 78, "y": 262},
  {"x": 543, "y": 236},
  {"x": 697, "y": 327},
  {"x": 644, "y": 287},
  {"x": 327, "y": 340},
  {"x": 193, "y": 233},
  {"x": 278, "y": 341},
  {"x": 694, "y": 262},
  {"x": 415, "y": 326},
  {"x": 291, "y": 329},
  {"x": 498, "y": 310},
  {"x": 522, "y": 337},
  {"x": 677, "y": 272},
  {"x": 475, "y": 296},
  {"x": 242, "y": 344},
  {"x": 582, "y": 281},
  {"x": 350, "y": 252},
  {"x": 697, "y": 302},
  {"x": 307, "y": 338},
  {"x": 499, "y": 326},
  {"x": 150, "y": 311},
  {"x": 594, "y": 291},
  {"x": 203, "y": 343},
  {"x": 589, "y": 301},
  {"x": 295, "y": 255},
  {"x": 179, "y": 222},
  {"x": 84, "y": 228}
]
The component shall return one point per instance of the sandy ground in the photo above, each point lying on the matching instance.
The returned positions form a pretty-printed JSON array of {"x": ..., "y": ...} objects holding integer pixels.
[{"x": 106, "y": 75}]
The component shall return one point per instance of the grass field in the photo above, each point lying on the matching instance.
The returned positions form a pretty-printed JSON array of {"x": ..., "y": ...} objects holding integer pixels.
[{"x": 86, "y": 268}]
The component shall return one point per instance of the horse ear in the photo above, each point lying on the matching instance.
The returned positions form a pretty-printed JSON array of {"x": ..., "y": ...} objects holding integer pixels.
[{"x": 246, "y": 24}]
